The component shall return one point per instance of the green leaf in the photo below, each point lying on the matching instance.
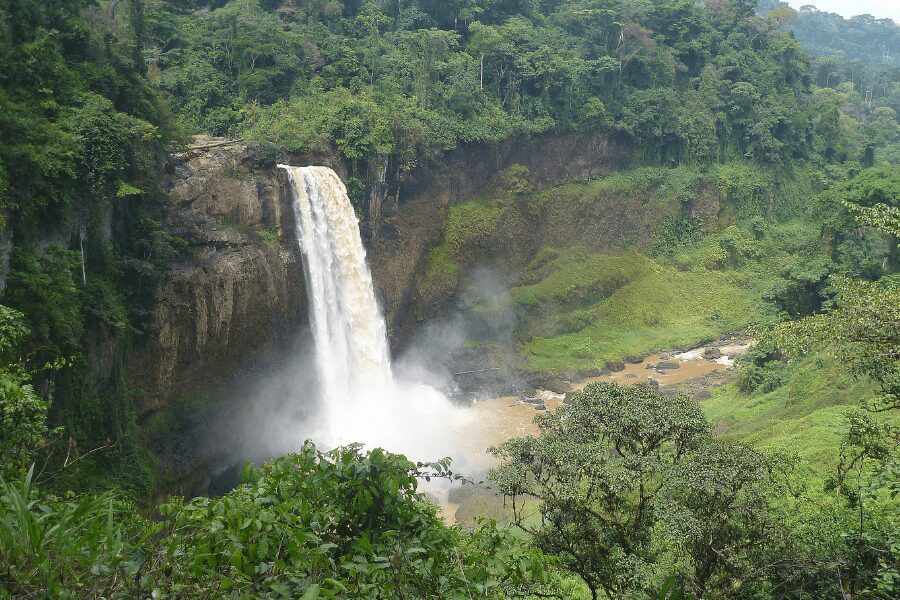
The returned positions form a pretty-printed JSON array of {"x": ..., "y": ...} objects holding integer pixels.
[{"x": 126, "y": 189}]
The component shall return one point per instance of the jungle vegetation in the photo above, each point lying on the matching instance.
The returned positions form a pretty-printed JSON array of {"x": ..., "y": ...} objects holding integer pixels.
[{"x": 640, "y": 495}]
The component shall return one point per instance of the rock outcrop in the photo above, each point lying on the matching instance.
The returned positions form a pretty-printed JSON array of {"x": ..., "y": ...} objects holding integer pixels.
[{"x": 239, "y": 288}]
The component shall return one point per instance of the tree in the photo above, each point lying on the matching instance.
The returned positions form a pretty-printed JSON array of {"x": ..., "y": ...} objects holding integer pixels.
[
  {"x": 873, "y": 198},
  {"x": 716, "y": 508},
  {"x": 619, "y": 462},
  {"x": 863, "y": 331},
  {"x": 23, "y": 414}
]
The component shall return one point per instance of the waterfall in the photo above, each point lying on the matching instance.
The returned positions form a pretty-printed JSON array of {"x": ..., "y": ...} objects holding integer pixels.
[
  {"x": 349, "y": 330},
  {"x": 359, "y": 397}
]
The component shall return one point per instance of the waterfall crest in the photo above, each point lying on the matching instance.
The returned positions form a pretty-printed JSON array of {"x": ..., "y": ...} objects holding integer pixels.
[{"x": 351, "y": 338}]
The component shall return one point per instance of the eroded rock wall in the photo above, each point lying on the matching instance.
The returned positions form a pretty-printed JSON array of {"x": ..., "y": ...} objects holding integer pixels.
[
  {"x": 238, "y": 289},
  {"x": 412, "y": 214},
  {"x": 238, "y": 292}
]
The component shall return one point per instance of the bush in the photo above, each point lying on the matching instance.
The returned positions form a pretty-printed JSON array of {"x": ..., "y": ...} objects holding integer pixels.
[
  {"x": 85, "y": 546},
  {"x": 23, "y": 413},
  {"x": 760, "y": 371},
  {"x": 311, "y": 525}
]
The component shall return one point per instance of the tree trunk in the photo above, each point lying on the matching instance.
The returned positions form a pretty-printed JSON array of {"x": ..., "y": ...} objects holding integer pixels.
[{"x": 482, "y": 71}]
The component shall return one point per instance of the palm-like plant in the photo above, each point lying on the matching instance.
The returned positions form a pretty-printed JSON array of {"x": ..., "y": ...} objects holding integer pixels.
[{"x": 51, "y": 545}]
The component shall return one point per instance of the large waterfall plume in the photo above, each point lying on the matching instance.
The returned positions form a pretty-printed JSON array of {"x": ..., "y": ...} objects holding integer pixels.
[
  {"x": 360, "y": 399},
  {"x": 349, "y": 330}
]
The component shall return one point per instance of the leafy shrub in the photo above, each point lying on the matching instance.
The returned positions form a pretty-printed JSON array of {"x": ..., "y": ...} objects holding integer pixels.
[
  {"x": 802, "y": 289},
  {"x": 23, "y": 413},
  {"x": 516, "y": 181},
  {"x": 77, "y": 547},
  {"x": 342, "y": 523},
  {"x": 677, "y": 234},
  {"x": 270, "y": 235},
  {"x": 763, "y": 378},
  {"x": 44, "y": 289},
  {"x": 760, "y": 371},
  {"x": 312, "y": 525},
  {"x": 745, "y": 186}
]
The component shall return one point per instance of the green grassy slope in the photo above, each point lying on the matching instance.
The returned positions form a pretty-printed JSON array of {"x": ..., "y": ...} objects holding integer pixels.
[
  {"x": 649, "y": 306},
  {"x": 804, "y": 417},
  {"x": 585, "y": 308},
  {"x": 646, "y": 259}
]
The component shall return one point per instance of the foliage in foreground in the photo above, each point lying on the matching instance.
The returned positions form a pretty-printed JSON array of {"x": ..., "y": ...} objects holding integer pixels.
[
  {"x": 311, "y": 525},
  {"x": 633, "y": 488},
  {"x": 637, "y": 496}
]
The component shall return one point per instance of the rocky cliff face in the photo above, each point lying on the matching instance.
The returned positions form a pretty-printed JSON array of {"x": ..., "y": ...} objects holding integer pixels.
[
  {"x": 238, "y": 289},
  {"x": 410, "y": 214}
]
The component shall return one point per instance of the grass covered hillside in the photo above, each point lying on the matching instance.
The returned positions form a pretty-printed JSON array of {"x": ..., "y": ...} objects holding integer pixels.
[
  {"x": 650, "y": 258},
  {"x": 801, "y": 408}
]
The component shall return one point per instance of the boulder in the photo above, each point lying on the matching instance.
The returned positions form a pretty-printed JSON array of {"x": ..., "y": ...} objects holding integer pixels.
[
  {"x": 652, "y": 383},
  {"x": 592, "y": 372},
  {"x": 557, "y": 386},
  {"x": 615, "y": 367},
  {"x": 525, "y": 391},
  {"x": 537, "y": 381},
  {"x": 633, "y": 360},
  {"x": 540, "y": 407},
  {"x": 665, "y": 365},
  {"x": 712, "y": 353},
  {"x": 631, "y": 376}
]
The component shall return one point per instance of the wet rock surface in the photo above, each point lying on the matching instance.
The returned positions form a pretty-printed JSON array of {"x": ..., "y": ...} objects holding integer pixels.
[
  {"x": 712, "y": 353},
  {"x": 692, "y": 369},
  {"x": 557, "y": 386},
  {"x": 238, "y": 288},
  {"x": 405, "y": 219}
]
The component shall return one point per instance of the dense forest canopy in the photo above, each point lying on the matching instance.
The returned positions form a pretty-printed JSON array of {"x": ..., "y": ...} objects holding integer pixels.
[
  {"x": 640, "y": 496},
  {"x": 412, "y": 77},
  {"x": 862, "y": 37}
]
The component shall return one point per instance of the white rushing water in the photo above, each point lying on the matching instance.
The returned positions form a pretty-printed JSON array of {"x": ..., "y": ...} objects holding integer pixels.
[
  {"x": 351, "y": 338},
  {"x": 361, "y": 401}
]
